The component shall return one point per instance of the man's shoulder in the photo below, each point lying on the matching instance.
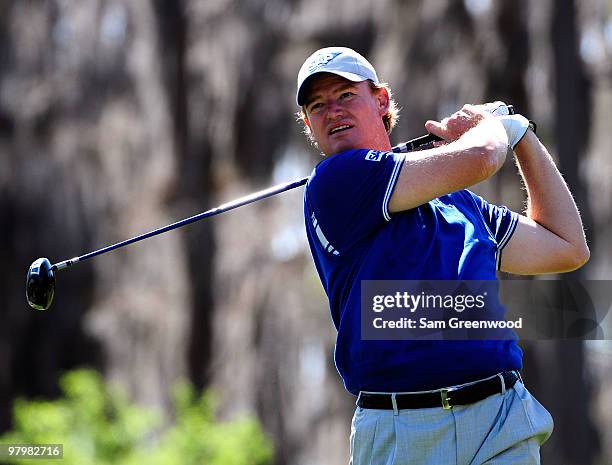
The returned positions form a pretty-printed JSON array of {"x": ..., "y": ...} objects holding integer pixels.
[{"x": 348, "y": 166}]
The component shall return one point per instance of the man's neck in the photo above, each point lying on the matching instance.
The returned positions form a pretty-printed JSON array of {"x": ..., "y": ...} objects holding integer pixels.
[{"x": 383, "y": 145}]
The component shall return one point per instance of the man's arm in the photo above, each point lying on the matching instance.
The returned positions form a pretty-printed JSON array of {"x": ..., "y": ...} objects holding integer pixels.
[
  {"x": 478, "y": 151},
  {"x": 549, "y": 238}
]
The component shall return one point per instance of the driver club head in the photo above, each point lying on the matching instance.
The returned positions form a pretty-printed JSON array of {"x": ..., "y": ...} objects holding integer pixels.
[{"x": 40, "y": 284}]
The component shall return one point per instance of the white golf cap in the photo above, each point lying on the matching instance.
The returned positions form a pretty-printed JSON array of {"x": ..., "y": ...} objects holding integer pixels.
[{"x": 342, "y": 61}]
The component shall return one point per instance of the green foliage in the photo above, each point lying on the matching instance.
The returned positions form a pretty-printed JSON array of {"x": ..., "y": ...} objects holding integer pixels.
[{"x": 98, "y": 425}]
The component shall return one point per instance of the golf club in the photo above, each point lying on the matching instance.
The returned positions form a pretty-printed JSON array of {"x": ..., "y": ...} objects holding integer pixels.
[{"x": 40, "y": 281}]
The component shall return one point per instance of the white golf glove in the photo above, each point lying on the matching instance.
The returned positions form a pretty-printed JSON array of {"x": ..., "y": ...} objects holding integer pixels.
[{"x": 515, "y": 125}]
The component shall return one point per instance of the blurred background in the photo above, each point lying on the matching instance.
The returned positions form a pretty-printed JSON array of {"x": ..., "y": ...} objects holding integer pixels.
[{"x": 118, "y": 116}]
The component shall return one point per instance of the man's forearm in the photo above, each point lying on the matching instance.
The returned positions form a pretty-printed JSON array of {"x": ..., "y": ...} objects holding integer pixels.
[
  {"x": 549, "y": 202},
  {"x": 475, "y": 156}
]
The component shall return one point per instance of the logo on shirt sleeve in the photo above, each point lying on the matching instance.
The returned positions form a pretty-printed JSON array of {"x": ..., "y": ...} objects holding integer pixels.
[{"x": 374, "y": 155}]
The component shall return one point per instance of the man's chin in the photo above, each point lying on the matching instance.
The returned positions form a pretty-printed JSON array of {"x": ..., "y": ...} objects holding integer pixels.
[{"x": 342, "y": 147}]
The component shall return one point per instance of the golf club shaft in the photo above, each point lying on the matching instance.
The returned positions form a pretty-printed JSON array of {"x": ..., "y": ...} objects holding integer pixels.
[
  {"x": 408, "y": 146},
  {"x": 192, "y": 219}
]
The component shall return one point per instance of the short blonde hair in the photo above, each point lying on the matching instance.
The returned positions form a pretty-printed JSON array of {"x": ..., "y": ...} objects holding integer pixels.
[{"x": 389, "y": 119}]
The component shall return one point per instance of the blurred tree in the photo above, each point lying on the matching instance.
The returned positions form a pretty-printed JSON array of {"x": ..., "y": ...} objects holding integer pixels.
[
  {"x": 577, "y": 440},
  {"x": 34, "y": 349},
  {"x": 193, "y": 152}
]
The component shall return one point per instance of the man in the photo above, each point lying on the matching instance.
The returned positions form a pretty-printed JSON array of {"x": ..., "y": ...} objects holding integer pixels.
[{"x": 376, "y": 215}]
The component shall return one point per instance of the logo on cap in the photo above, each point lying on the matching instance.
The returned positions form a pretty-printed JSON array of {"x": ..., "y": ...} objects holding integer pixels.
[{"x": 322, "y": 60}]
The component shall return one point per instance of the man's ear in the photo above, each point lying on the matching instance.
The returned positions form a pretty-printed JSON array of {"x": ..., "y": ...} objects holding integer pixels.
[{"x": 382, "y": 97}]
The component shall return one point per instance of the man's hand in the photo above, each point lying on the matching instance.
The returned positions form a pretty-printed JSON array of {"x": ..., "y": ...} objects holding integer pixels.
[
  {"x": 473, "y": 124},
  {"x": 515, "y": 125},
  {"x": 497, "y": 108},
  {"x": 476, "y": 149},
  {"x": 457, "y": 124},
  {"x": 460, "y": 122}
]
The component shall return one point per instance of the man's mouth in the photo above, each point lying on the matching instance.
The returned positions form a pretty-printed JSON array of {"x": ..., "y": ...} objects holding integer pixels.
[{"x": 340, "y": 128}]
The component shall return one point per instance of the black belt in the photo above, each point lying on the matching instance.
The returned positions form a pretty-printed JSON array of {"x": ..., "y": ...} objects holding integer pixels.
[{"x": 444, "y": 398}]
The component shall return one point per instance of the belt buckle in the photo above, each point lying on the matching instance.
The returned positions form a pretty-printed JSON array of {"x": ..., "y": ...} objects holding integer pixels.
[{"x": 446, "y": 399}]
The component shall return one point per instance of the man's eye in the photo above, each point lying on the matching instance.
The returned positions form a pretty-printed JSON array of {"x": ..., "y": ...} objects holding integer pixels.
[
  {"x": 315, "y": 106},
  {"x": 346, "y": 95}
]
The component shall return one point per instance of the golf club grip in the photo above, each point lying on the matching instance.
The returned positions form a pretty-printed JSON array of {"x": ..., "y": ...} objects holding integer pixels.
[{"x": 418, "y": 143}]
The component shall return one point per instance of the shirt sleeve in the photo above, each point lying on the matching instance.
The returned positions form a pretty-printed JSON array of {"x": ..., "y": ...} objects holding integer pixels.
[
  {"x": 348, "y": 196},
  {"x": 500, "y": 220}
]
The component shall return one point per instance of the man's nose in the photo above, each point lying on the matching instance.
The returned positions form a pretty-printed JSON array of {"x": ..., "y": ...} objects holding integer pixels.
[{"x": 334, "y": 110}]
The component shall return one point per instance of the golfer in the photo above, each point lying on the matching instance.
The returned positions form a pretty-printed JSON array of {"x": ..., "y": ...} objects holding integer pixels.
[{"x": 376, "y": 215}]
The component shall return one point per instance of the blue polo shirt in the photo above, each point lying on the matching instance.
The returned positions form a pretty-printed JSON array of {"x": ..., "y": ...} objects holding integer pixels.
[{"x": 353, "y": 237}]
